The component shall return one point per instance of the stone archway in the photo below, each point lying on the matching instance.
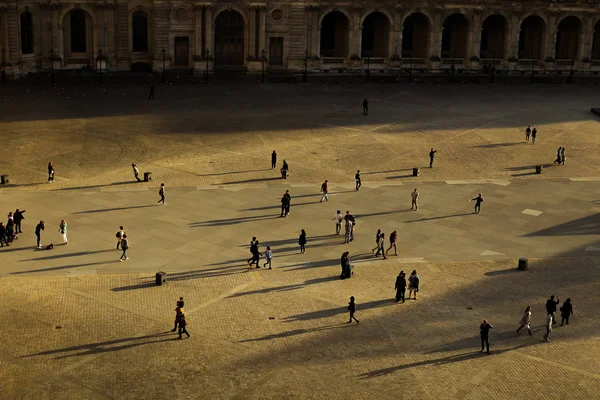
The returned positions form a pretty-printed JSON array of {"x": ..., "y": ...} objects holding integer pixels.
[
  {"x": 493, "y": 33},
  {"x": 455, "y": 36},
  {"x": 415, "y": 36},
  {"x": 229, "y": 38},
  {"x": 567, "y": 39},
  {"x": 334, "y": 35},
  {"x": 531, "y": 37},
  {"x": 375, "y": 35}
]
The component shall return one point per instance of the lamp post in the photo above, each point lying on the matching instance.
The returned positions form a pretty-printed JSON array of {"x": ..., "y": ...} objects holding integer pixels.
[
  {"x": 368, "y": 68},
  {"x": 262, "y": 61},
  {"x": 305, "y": 76},
  {"x": 100, "y": 63},
  {"x": 207, "y": 52},
  {"x": 571, "y": 74},
  {"x": 52, "y": 66},
  {"x": 162, "y": 78},
  {"x": 3, "y": 65}
]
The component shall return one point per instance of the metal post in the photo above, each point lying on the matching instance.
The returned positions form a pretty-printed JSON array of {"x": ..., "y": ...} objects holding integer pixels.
[
  {"x": 305, "y": 76},
  {"x": 162, "y": 79},
  {"x": 368, "y": 69},
  {"x": 52, "y": 66},
  {"x": 3, "y": 66},
  {"x": 100, "y": 63},
  {"x": 207, "y": 59},
  {"x": 262, "y": 60}
]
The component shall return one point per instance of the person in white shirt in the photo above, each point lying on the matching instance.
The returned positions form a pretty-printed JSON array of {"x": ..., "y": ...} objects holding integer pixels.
[
  {"x": 525, "y": 320},
  {"x": 415, "y": 197},
  {"x": 549, "y": 319},
  {"x": 136, "y": 172},
  {"x": 269, "y": 257},
  {"x": 338, "y": 222}
]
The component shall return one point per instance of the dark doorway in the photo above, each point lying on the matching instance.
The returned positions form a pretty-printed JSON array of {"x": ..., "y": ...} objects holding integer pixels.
[
  {"x": 596, "y": 44},
  {"x": 455, "y": 36},
  {"x": 276, "y": 51},
  {"x": 78, "y": 32},
  {"x": 375, "y": 35},
  {"x": 26, "y": 33},
  {"x": 567, "y": 39},
  {"x": 334, "y": 35},
  {"x": 493, "y": 33},
  {"x": 139, "y": 28},
  {"x": 531, "y": 37},
  {"x": 229, "y": 38},
  {"x": 182, "y": 51},
  {"x": 415, "y": 36}
]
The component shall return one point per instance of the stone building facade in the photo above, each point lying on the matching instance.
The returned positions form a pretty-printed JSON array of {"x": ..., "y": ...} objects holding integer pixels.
[{"x": 332, "y": 36}]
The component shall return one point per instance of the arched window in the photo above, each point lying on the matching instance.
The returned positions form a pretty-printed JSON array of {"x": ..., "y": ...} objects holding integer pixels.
[
  {"x": 78, "y": 32},
  {"x": 26, "y": 20},
  {"x": 139, "y": 29}
]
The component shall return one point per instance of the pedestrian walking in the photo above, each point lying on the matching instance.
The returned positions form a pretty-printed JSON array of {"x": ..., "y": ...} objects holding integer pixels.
[
  {"x": 338, "y": 222},
  {"x": 393, "y": 241},
  {"x": 413, "y": 284},
  {"x": 136, "y": 172},
  {"x": 38, "y": 233},
  {"x": 302, "y": 241},
  {"x": 256, "y": 255},
  {"x": 178, "y": 314},
  {"x": 180, "y": 303},
  {"x": 566, "y": 311},
  {"x": 400, "y": 286},
  {"x": 551, "y": 306},
  {"x": 252, "y": 249},
  {"x": 484, "y": 332},
  {"x": 525, "y": 321},
  {"x": 558, "y": 156},
  {"x": 357, "y": 179},
  {"x": 124, "y": 247},
  {"x": 50, "y": 172},
  {"x": 346, "y": 266},
  {"x": 151, "y": 94},
  {"x": 3, "y": 235},
  {"x": 161, "y": 193},
  {"x": 381, "y": 246},
  {"x": 431, "y": 157},
  {"x": 10, "y": 231},
  {"x": 377, "y": 237},
  {"x": 562, "y": 156},
  {"x": 549, "y": 322},
  {"x": 269, "y": 257},
  {"x": 62, "y": 228},
  {"x": 365, "y": 107},
  {"x": 415, "y": 198},
  {"x": 273, "y": 159},
  {"x": 478, "y": 200},
  {"x": 352, "y": 309},
  {"x": 533, "y": 135},
  {"x": 18, "y": 217},
  {"x": 286, "y": 201},
  {"x": 527, "y": 133},
  {"x": 120, "y": 234},
  {"x": 284, "y": 170},
  {"x": 324, "y": 190},
  {"x": 348, "y": 231},
  {"x": 183, "y": 326}
]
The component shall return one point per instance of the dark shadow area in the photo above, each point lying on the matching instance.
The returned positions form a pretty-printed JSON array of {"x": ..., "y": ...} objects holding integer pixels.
[
  {"x": 232, "y": 221},
  {"x": 589, "y": 225},
  {"x": 524, "y": 174},
  {"x": 235, "y": 172},
  {"x": 98, "y": 186},
  {"x": 286, "y": 288},
  {"x": 332, "y": 312},
  {"x": 494, "y": 145},
  {"x": 381, "y": 213},
  {"x": 277, "y": 243},
  {"x": 113, "y": 209},
  {"x": 81, "y": 253},
  {"x": 442, "y": 217},
  {"x": 524, "y": 167},
  {"x": 276, "y": 178},
  {"x": 296, "y": 332},
  {"x": 64, "y": 267},
  {"x": 503, "y": 272},
  {"x": 386, "y": 172},
  {"x": 399, "y": 176},
  {"x": 279, "y": 206}
]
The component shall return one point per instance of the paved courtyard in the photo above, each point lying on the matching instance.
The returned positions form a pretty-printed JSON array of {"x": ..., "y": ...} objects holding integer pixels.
[{"x": 76, "y": 323}]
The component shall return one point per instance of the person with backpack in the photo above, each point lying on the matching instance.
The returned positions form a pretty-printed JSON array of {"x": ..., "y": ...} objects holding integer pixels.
[
  {"x": 525, "y": 321},
  {"x": 324, "y": 190},
  {"x": 352, "y": 309},
  {"x": 566, "y": 311},
  {"x": 62, "y": 228},
  {"x": 400, "y": 286},
  {"x": 413, "y": 284},
  {"x": 182, "y": 326},
  {"x": 120, "y": 234},
  {"x": 38, "y": 233},
  {"x": 161, "y": 193},
  {"x": 124, "y": 247},
  {"x": 478, "y": 200}
]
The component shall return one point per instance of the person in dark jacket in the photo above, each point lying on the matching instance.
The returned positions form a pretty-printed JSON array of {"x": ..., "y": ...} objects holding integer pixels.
[
  {"x": 400, "y": 286},
  {"x": 478, "y": 200},
  {"x": 10, "y": 231},
  {"x": 352, "y": 309},
  {"x": 365, "y": 107},
  {"x": 302, "y": 241},
  {"x": 484, "y": 331},
  {"x": 566, "y": 311},
  {"x": 273, "y": 159},
  {"x": 180, "y": 302},
  {"x": 182, "y": 326},
  {"x": 252, "y": 249},
  {"x": 3, "y": 235},
  {"x": 178, "y": 314},
  {"x": 345, "y": 261},
  {"x": 18, "y": 217},
  {"x": 255, "y": 254},
  {"x": 284, "y": 169},
  {"x": 286, "y": 201},
  {"x": 38, "y": 233},
  {"x": 551, "y": 307},
  {"x": 50, "y": 172}
]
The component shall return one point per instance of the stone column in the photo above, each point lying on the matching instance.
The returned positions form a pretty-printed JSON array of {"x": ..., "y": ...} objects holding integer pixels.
[
  {"x": 355, "y": 33},
  {"x": 549, "y": 37},
  {"x": 435, "y": 34},
  {"x": 263, "y": 30},
  {"x": 252, "y": 40},
  {"x": 59, "y": 31},
  {"x": 512, "y": 45},
  {"x": 587, "y": 37},
  {"x": 4, "y": 27},
  {"x": 397, "y": 32},
  {"x": 316, "y": 32},
  {"x": 198, "y": 51},
  {"x": 475, "y": 35}
]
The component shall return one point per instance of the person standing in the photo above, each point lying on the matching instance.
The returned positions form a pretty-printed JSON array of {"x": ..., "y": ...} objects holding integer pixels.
[
  {"x": 136, "y": 172},
  {"x": 151, "y": 94},
  {"x": 120, "y": 235},
  {"x": 284, "y": 169},
  {"x": 533, "y": 135},
  {"x": 124, "y": 247},
  {"x": 182, "y": 326},
  {"x": 302, "y": 241},
  {"x": 365, "y": 107},
  {"x": 50, "y": 172},
  {"x": 431, "y": 157},
  {"x": 348, "y": 231},
  {"x": 393, "y": 241},
  {"x": 269, "y": 257},
  {"x": 338, "y": 222},
  {"x": 415, "y": 198},
  {"x": 357, "y": 179},
  {"x": 324, "y": 190},
  {"x": 478, "y": 200},
  {"x": 273, "y": 159},
  {"x": 527, "y": 133},
  {"x": 286, "y": 200},
  {"x": 562, "y": 156},
  {"x": 178, "y": 314},
  {"x": 549, "y": 322},
  {"x": 413, "y": 284},
  {"x": 377, "y": 237},
  {"x": 62, "y": 228},
  {"x": 352, "y": 309},
  {"x": 3, "y": 238},
  {"x": 161, "y": 193},
  {"x": 38, "y": 233},
  {"x": 484, "y": 332},
  {"x": 566, "y": 311},
  {"x": 525, "y": 321},
  {"x": 18, "y": 217},
  {"x": 551, "y": 306},
  {"x": 558, "y": 156},
  {"x": 400, "y": 286}
]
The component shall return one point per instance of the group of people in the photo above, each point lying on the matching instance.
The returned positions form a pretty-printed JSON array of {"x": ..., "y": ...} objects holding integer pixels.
[
  {"x": 256, "y": 254},
  {"x": 400, "y": 286},
  {"x": 8, "y": 232},
  {"x": 560, "y": 156},
  {"x": 530, "y": 134},
  {"x": 180, "y": 320},
  {"x": 380, "y": 244}
]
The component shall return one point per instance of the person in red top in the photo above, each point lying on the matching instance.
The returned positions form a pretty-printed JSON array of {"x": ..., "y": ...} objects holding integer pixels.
[{"x": 325, "y": 190}]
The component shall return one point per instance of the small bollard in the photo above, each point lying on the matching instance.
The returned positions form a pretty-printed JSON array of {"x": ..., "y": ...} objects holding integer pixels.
[
  {"x": 538, "y": 169},
  {"x": 161, "y": 278},
  {"x": 147, "y": 176},
  {"x": 416, "y": 172},
  {"x": 523, "y": 264},
  {"x": 4, "y": 179}
]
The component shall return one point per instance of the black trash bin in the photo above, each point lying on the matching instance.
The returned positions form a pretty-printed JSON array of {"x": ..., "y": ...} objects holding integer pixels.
[
  {"x": 161, "y": 278},
  {"x": 538, "y": 169},
  {"x": 147, "y": 176},
  {"x": 4, "y": 179},
  {"x": 523, "y": 264},
  {"x": 416, "y": 172}
]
